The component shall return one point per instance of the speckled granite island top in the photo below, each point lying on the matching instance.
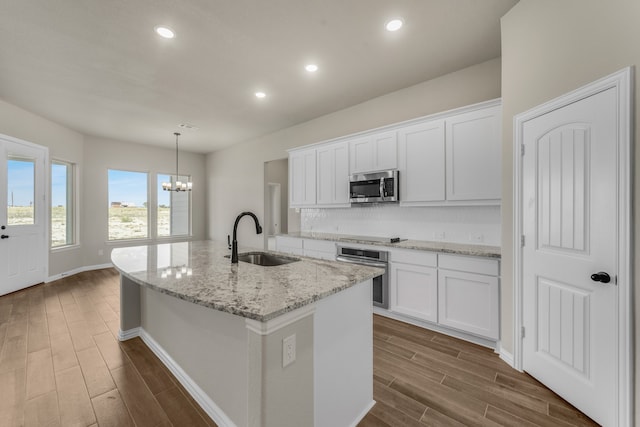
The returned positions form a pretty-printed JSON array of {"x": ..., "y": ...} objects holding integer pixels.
[
  {"x": 199, "y": 272},
  {"x": 419, "y": 245}
]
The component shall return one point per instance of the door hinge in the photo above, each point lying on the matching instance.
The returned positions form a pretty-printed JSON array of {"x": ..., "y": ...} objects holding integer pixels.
[
  {"x": 522, "y": 332},
  {"x": 522, "y": 240},
  {"x": 522, "y": 149}
]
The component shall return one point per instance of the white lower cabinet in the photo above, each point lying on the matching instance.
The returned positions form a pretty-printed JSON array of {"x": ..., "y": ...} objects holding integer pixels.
[
  {"x": 452, "y": 291},
  {"x": 469, "y": 302},
  {"x": 414, "y": 291}
]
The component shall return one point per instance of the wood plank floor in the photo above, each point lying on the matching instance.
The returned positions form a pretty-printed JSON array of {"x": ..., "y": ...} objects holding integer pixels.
[
  {"x": 423, "y": 378},
  {"x": 62, "y": 365}
]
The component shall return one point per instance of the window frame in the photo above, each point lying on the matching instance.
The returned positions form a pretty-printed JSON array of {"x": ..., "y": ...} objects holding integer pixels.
[
  {"x": 150, "y": 216},
  {"x": 73, "y": 207},
  {"x": 190, "y": 219}
]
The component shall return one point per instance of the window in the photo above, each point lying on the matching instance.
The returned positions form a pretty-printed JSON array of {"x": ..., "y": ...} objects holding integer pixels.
[
  {"x": 128, "y": 202},
  {"x": 173, "y": 208},
  {"x": 21, "y": 187},
  {"x": 62, "y": 204}
]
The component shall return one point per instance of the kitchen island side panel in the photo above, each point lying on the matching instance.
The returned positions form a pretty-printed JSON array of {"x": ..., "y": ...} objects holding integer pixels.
[{"x": 209, "y": 345}]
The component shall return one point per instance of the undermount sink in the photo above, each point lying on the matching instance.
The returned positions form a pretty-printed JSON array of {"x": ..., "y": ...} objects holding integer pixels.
[{"x": 264, "y": 259}]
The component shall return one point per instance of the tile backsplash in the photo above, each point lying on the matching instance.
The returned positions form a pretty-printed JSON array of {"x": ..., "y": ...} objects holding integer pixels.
[{"x": 459, "y": 224}]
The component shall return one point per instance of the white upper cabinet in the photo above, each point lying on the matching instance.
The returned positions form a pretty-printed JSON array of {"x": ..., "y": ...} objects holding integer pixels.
[
  {"x": 302, "y": 178},
  {"x": 332, "y": 174},
  {"x": 421, "y": 162},
  {"x": 373, "y": 153},
  {"x": 474, "y": 155}
]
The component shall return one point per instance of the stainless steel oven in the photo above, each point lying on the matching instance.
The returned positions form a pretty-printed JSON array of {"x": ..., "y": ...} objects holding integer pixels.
[{"x": 374, "y": 258}]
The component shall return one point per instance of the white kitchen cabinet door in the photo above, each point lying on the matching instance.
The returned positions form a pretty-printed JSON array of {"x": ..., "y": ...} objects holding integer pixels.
[
  {"x": 421, "y": 162},
  {"x": 373, "y": 153},
  {"x": 414, "y": 291},
  {"x": 469, "y": 302},
  {"x": 473, "y": 156},
  {"x": 302, "y": 178},
  {"x": 333, "y": 175},
  {"x": 385, "y": 149}
]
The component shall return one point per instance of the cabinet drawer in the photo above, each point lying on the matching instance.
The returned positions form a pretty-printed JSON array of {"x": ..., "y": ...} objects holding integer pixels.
[
  {"x": 429, "y": 259},
  {"x": 469, "y": 263},
  {"x": 320, "y": 245},
  {"x": 289, "y": 242}
]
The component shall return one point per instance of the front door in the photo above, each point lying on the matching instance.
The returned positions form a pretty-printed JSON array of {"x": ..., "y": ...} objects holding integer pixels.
[
  {"x": 23, "y": 214},
  {"x": 570, "y": 224}
]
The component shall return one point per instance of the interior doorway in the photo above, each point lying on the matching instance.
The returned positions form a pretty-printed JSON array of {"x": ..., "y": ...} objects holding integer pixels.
[{"x": 278, "y": 218}]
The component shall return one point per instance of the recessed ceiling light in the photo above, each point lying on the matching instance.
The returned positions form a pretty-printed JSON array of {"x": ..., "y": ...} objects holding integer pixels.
[
  {"x": 260, "y": 94},
  {"x": 188, "y": 126},
  {"x": 394, "y": 25},
  {"x": 312, "y": 68},
  {"x": 165, "y": 32}
]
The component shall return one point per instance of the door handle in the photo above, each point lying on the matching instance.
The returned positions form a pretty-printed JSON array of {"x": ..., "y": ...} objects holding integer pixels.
[
  {"x": 4, "y": 236},
  {"x": 601, "y": 276}
]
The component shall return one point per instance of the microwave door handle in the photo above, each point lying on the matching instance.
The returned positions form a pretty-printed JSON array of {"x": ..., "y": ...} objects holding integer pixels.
[{"x": 382, "y": 194}]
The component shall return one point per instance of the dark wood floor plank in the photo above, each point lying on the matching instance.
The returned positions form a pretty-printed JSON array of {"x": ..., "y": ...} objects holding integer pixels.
[
  {"x": 148, "y": 365},
  {"x": 73, "y": 398},
  {"x": 529, "y": 386},
  {"x": 42, "y": 411},
  {"x": 399, "y": 367},
  {"x": 178, "y": 408},
  {"x": 96, "y": 374},
  {"x": 505, "y": 418},
  {"x": 111, "y": 411},
  {"x": 570, "y": 415},
  {"x": 113, "y": 355},
  {"x": 40, "y": 376},
  {"x": 143, "y": 407},
  {"x": 434, "y": 418},
  {"x": 371, "y": 420},
  {"x": 498, "y": 402},
  {"x": 12, "y": 397},
  {"x": 63, "y": 353},
  {"x": 391, "y": 347},
  {"x": 399, "y": 401},
  {"x": 393, "y": 416}
]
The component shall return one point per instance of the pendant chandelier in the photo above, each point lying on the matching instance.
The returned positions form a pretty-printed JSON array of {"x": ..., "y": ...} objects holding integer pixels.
[{"x": 178, "y": 185}]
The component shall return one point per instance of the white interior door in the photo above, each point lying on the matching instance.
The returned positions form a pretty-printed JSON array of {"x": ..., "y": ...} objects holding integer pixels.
[
  {"x": 570, "y": 224},
  {"x": 23, "y": 215}
]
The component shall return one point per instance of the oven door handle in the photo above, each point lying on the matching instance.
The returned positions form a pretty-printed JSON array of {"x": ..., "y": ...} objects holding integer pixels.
[{"x": 361, "y": 262}]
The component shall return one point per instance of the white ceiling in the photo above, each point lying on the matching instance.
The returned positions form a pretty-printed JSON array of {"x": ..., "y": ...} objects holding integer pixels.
[{"x": 98, "y": 67}]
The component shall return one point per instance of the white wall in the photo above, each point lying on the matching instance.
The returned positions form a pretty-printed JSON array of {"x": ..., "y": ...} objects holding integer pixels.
[
  {"x": 549, "y": 48},
  {"x": 93, "y": 156},
  {"x": 235, "y": 175}
]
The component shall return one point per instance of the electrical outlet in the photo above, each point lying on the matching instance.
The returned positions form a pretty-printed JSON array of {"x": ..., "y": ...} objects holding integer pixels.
[
  {"x": 438, "y": 235},
  {"x": 476, "y": 237},
  {"x": 288, "y": 350}
]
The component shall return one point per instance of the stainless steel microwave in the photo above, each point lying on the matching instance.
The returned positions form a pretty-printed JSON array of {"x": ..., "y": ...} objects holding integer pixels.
[{"x": 374, "y": 187}]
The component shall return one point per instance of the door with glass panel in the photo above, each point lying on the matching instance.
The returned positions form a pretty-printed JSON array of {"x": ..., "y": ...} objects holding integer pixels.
[{"x": 23, "y": 229}]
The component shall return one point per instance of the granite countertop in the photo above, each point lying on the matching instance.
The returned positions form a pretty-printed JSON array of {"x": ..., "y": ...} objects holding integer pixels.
[
  {"x": 199, "y": 272},
  {"x": 419, "y": 245}
]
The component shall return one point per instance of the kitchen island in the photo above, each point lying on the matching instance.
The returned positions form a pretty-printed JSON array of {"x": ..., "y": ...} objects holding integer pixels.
[{"x": 286, "y": 345}]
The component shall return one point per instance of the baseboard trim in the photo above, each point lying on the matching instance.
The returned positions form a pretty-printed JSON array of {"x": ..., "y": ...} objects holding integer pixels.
[
  {"x": 485, "y": 342},
  {"x": 363, "y": 414},
  {"x": 76, "y": 271},
  {"x": 128, "y": 334},
  {"x": 506, "y": 357},
  {"x": 205, "y": 402}
]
